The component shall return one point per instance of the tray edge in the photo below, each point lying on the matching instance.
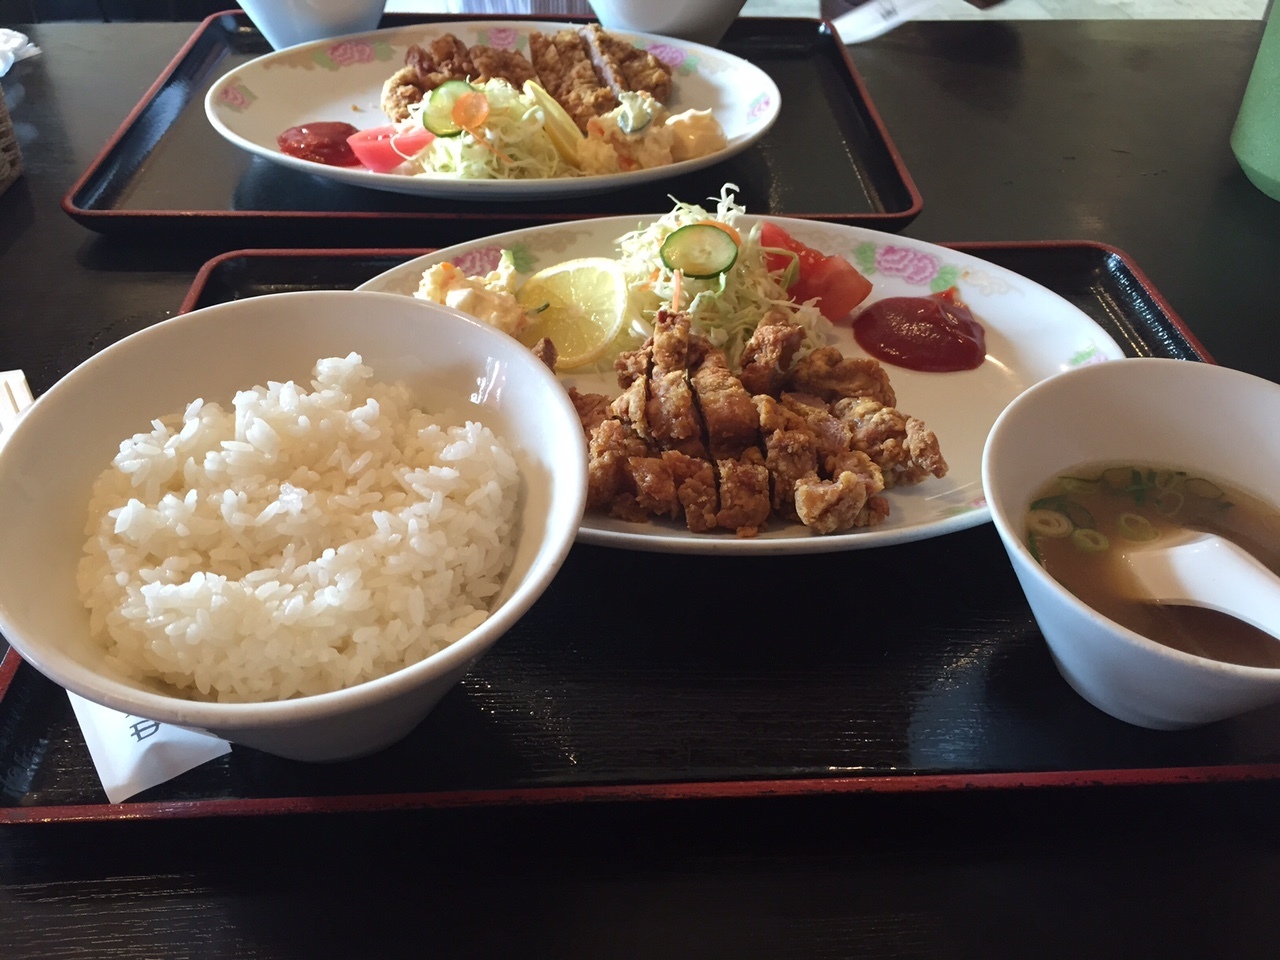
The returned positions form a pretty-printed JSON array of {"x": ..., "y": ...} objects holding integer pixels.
[{"x": 104, "y": 221}]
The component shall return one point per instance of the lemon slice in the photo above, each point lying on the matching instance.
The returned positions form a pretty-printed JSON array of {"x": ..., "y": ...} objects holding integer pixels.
[
  {"x": 580, "y": 305},
  {"x": 564, "y": 133}
]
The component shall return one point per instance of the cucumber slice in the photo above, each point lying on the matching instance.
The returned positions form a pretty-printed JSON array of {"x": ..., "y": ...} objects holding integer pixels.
[
  {"x": 699, "y": 251},
  {"x": 437, "y": 115}
]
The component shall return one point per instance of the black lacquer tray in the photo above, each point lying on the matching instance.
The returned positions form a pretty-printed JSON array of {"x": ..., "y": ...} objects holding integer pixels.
[
  {"x": 166, "y": 170},
  {"x": 909, "y": 668}
]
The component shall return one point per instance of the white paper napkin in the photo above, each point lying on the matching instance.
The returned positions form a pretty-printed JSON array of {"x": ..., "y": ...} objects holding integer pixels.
[
  {"x": 14, "y": 46},
  {"x": 873, "y": 18},
  {"x": 15, "y": 396},
  {"x": 129, "y": 753},
  {"x": 132, "y": 754}
]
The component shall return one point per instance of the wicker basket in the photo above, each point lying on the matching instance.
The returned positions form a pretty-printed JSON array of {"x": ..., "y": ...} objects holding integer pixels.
[{"x": 10, "y": 156}]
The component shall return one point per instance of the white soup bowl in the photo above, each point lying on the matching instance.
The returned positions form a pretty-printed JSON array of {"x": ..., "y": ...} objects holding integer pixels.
[
  {"x": 1203, "y": 418},
  {"x": 286, "y": 23},
  {"x": 698, "y": 21}
]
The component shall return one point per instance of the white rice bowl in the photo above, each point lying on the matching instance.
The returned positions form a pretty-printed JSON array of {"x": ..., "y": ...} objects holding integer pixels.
[
  {"x": 310, "y": 538},
  {"x": 52, "y": 458}
]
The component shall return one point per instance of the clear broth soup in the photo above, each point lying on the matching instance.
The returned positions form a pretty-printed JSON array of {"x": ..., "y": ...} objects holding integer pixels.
[{"x": 1080, "y": 522}]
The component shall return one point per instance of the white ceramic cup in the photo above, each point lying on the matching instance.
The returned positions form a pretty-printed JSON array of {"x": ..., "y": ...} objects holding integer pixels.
[
  {"x": 699, "y": 21},
  {"x": 286, "y": 23}
]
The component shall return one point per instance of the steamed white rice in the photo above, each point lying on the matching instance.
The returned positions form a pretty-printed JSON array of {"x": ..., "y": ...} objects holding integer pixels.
[{"x": 303, "y": 542}]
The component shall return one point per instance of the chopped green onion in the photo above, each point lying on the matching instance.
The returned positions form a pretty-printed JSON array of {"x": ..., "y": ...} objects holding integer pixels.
[
  {"x": 1201, "y": 487},
  {"x": 1078, "y": 484},
  {"x": 1134, "y": 526},
  {"x": 1090, "y": 541},
  {"x": 1077, "y": 513},
  {"x": 1049, "y": 523}
]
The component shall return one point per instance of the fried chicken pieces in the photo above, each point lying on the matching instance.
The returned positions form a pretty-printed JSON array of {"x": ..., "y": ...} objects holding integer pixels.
[
  {"x": 584, "y": 69},
  {"x": 815, "y": 440}
]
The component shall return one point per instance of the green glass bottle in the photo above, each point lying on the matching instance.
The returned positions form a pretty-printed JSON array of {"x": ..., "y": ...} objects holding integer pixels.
[{"x": 1255, "y": 139}]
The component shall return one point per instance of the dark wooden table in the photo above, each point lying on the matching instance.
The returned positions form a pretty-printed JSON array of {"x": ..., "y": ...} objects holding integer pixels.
[{"x": 1108, "y": 131}]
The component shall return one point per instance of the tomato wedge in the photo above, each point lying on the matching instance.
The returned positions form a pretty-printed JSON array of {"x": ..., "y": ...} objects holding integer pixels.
[
  {"x": 772, "y": 235},
  {"x": 837, "y": 284},
  {"x": 384, "y": 148}
]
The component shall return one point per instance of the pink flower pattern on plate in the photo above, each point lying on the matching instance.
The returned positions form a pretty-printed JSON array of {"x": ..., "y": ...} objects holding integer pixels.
[
  {"x": 350, "y": 51},
  {"x": 478, "y": 261},
  {"x": 673, "y": 57},
  {"x": 236, "y": 97},
  {"x": 504, "y": 38},
  {"x": 913, "y": 266}
]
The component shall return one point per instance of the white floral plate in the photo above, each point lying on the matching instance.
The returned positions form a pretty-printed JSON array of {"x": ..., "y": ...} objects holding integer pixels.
[
  {"x": 1031, "y": 333},
  {"x": 341, "y": 79}
]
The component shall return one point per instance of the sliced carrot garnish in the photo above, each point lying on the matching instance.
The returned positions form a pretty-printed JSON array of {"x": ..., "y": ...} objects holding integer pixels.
[
  {"x": 737, "y": 237},
  {"x": 471, "y": 110}
]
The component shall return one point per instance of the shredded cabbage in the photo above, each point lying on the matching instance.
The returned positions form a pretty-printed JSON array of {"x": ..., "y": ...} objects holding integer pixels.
[
  {"x": 518, "y": 145},
  {"x": 725, "y": 309}
]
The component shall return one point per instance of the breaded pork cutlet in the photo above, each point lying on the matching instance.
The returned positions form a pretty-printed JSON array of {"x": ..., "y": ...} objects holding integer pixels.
[
  {"x": 828, "y": 374},
  {"x": 670, "y": 412},
  {"x": 818, "y": 477},
  {"x": 790, "y": 453},
  {"x": 583, "y": 69},
  {"x": 592, "y": 408},
  {"x": 843, "y": 503},
  {"x": 633, "y": 376},
  {"x": 674, "y": 484},
  {"x": 545, "y": 351},
  {"x": 834, "y": 436},
  {"x": 655, "y": 487},
  {"x": 563, "y": 63},
  {"x": 610, "y": 487},
  {"x": 744, "y": 493},
  {"x": 445, "y": 58},
  {"x": 630, "y": 479},
  {"x": 900, "y": 445},
  {"x": 688, "y": 437},
  {"x": 769, "y": 352},
  {"x": 697, "y": 491},
  {"x": 624, "y": 67},
  {"x": 727, "y": 410},
  {"x": 509, "y": 65},
  {"x": 448, "y": 58}
]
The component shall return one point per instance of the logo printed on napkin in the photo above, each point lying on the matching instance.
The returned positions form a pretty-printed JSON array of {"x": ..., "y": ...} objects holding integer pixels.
[{"x": 132, "y": 753}]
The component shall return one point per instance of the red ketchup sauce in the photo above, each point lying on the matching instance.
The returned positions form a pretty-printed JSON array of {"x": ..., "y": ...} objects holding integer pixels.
[
  {"x": 321, "y": 142},
  {"x": 936, "y": 334}
]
